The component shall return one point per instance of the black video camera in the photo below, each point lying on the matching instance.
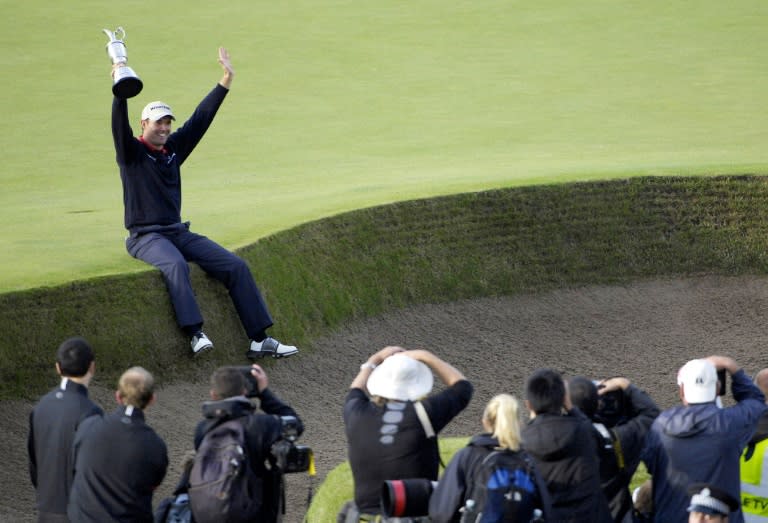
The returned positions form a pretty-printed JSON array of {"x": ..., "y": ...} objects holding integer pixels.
[
  {"x": 612, "y": 408},
  {"x": 290, "y": 457},
  {"x": 251, "y": 385},
  {"x": 722, "y": 382}
]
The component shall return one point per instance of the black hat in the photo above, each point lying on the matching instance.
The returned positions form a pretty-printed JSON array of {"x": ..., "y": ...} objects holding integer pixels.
[{"x": 711, "y": 500}]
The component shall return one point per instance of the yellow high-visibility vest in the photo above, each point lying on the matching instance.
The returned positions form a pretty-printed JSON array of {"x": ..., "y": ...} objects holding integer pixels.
[{"x": 754, "y": 485}]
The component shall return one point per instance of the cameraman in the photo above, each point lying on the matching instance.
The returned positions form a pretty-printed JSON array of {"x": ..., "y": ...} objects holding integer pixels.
[
  {"x": 392, "y": 430},
  {"x": 621, "y": 414},
  {"x": 230, "y": 393}
]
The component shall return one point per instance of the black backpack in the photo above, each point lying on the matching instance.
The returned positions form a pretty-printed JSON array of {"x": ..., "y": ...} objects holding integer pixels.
[
  {"x": 223, "y": 487},
  {"x": 502, "y": 489}
]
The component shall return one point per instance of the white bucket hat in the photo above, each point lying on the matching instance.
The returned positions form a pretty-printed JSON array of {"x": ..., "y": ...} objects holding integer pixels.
[{"x": 402, "y": 378}]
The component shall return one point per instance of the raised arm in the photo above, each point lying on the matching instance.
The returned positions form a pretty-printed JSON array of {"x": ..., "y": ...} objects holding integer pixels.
[
  {"x": 446, "y": 372},
  {"x": 373, "y": 361},
  {"x": 229, "y": 73}
]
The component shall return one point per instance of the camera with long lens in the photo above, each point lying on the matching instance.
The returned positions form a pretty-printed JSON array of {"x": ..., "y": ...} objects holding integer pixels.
[
  {"x": 290, "y": 457},
  {"x": 404, "y": 498},
  {"x": 612, "y": 408}
]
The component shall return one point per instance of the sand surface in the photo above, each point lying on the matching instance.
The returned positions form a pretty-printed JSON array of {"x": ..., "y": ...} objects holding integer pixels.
[{"x": 644, "y": 331}]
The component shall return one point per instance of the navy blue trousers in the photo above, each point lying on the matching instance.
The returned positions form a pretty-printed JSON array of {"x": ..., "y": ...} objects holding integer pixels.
[{"x": 171, "y": 250}]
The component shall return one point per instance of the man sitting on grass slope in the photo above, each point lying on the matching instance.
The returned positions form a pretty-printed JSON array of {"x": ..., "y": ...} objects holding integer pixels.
[{"x": 150, "y": 169}]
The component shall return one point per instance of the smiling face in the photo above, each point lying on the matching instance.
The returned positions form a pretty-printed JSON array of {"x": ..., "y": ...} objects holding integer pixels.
[{"x": 156, "y": 133}]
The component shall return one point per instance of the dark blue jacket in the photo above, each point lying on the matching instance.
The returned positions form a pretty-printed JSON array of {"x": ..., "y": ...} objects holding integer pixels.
[
  {"x": 700, "y": 443},
  {"x": 151, "y": 179},
  {"x": 451, "y": 491}
]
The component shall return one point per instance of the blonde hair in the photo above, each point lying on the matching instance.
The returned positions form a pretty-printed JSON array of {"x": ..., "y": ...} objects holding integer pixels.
[
  {"x": 501, "y": 416},
  {"x": 136, "y": 387}
]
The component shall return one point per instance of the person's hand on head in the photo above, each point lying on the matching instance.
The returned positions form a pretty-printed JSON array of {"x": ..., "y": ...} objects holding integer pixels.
[
  {"x": 446, "y": 372},
  {"x": 385, "y": 353},
  {"x": 724, "y": 362},
  {"x": 262, "y": 382},
  {"x": 567, "y": 404},
  {"x": 612, "y": 384},
  {"x": 374, "y": 360},
  {"x": 422, "y": 355}
]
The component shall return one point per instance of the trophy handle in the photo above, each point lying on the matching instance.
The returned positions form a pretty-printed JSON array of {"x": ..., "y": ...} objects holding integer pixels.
[
  {"x": 126, "y": 83},
  {"x": 113, "y": 35}
]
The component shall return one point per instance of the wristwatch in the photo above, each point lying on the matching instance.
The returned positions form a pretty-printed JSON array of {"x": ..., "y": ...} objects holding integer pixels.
[{"x": 367, "y": 365}]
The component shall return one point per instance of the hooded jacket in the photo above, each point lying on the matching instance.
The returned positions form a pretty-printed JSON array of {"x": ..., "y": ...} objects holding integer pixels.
[
  {"x": 761, "y": 432},
  {"x": 565, "y": 448},
  {"x": 700, "y": 443},
  {"x": 452, "y": 489}
]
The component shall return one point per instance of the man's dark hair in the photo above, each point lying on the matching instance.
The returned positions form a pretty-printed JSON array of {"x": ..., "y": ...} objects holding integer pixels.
[
  {"x": 227, "y": 382},
  {"x": 583, "y": 394},
  {"x": 74, "y": 357},
  {"x": 545, "y": 391}
]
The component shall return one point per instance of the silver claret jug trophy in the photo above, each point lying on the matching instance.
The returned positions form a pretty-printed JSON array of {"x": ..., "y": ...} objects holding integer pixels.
[{"x": 126, "y": 83}]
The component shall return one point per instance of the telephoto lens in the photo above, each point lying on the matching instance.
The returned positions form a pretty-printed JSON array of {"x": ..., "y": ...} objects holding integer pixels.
[{"x": 406, "y": 497}]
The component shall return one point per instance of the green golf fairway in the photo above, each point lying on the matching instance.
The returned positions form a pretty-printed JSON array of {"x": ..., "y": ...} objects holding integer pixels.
[{"x": 340, "y": 105}]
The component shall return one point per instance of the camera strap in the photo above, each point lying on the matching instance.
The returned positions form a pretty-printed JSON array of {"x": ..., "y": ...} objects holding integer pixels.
[
  {"x": 612, "y": 442},
  {"x": 421, "y": 412}
]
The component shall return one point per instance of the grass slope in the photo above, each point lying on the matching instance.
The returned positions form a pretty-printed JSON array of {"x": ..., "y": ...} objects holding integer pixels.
[
  {"x": 341, "y": 105},
  {"x": 319, "y": 275}
]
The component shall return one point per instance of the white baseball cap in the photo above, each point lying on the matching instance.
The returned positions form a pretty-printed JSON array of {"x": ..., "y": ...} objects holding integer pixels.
[
  {"x": 156, "y": 110},
  {"x": 699, "y": 381},
  {"x": 402, "y": 378}
]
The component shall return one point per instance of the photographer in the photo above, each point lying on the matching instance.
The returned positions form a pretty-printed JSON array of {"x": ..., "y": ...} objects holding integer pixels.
[
  {"x": 462, "y": 494},
  {"x": 391, "y": 434},
  {"x": 231, "y": 388},
  {"x": 699, "y": 441},
  {"x": 622, "y": 414},
  {"x": 560, "y": 438}
]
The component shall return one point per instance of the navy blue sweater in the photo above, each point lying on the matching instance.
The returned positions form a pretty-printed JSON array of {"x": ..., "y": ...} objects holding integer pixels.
[{"x": 152, "y": 179}]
